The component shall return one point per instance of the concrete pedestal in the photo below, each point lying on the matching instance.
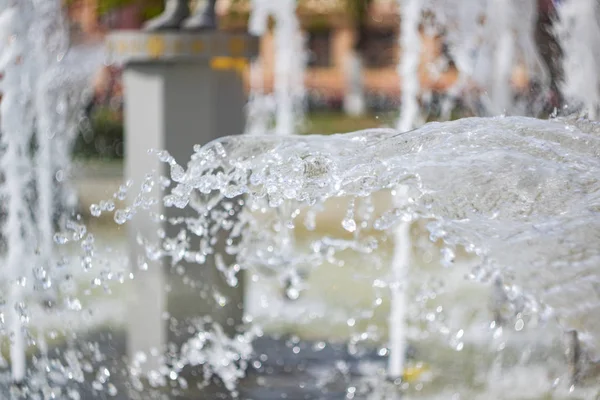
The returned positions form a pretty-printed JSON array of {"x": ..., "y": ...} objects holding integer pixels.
[{"x": 180, "y": 89}]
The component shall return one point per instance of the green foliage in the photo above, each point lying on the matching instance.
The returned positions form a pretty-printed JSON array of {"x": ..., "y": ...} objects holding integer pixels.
[
  {"x": 102, "y": 138},
  {"x": 328, "y": 122},
  {"x": 150, "y": 8},
  {"x": 105, "y": 6},
  {"x": 358, "y": 10}
]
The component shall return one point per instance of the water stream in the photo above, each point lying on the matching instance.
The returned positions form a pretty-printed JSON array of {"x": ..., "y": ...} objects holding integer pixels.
[{"x": 519, "y": 195}]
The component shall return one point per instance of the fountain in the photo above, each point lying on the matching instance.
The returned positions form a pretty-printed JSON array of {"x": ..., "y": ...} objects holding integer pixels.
[
  {"x": 281, "y": 112},
  {"x": 41, "y": 87},
  {"x": 448, "y": 260}
]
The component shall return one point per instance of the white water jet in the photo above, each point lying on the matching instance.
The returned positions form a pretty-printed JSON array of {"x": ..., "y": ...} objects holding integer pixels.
[
  {"x": 260, "y": 107},
  {"x": 354, "y": 99},
  {"x": 578, "y": 30},
  {"x": 400, "y": 265},
  {"x": 51, "y": 45},
  {"x": 290, "y": 60},
  {"x": 17, "y": 129},
  {"x": 487, "y": 41},
  {"x": 500, "y": 16},
  {"x": 409, "y": 76},
  {"x": 410, "y": 43},
  {"x": 36, "y": 121}
]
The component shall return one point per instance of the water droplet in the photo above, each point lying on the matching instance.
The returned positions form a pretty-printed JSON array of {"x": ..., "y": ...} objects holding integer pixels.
[
  {"x": 74, "y": 304},
  {"x": 447, "y": 257},
  {"x": 164, "y": 156},
  {"x": 110, "y": 205},
  {"x": 220, "y": 299},
  {"x": 319, "y": 346},
  {"x": 111, "y": 390},
  {"x": 95, "y": 210},
  {"x": 148, "y": 184},
  {"x": 519, "y": 325},
  {"x": 292, "y": 293},
  {"x": 177, "y": 173},
  {"x": 120, "y": 217},
  {"x": 60, "y": 238},
  {"x": 349, "y": 224}
]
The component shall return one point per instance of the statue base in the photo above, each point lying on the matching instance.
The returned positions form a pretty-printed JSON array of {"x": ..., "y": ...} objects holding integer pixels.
[{"x": 180, "y": 89}]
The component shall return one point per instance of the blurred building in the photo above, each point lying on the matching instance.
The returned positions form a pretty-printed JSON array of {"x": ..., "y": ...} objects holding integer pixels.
[{"x": 330, "y": 35}]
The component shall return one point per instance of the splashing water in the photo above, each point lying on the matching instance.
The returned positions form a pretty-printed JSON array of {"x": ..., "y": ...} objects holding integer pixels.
[
  {"x": 511, "y": 204},
  {"x": 579, "y": 32},
  {"x": 519, "y": 195}
]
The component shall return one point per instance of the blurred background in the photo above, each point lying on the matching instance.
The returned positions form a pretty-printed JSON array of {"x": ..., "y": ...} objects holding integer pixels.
[{"x": 332, "y": 28}]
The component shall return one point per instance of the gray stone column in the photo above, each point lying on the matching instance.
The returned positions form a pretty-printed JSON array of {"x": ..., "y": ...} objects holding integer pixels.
[{"x": 180, "y": 89}]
